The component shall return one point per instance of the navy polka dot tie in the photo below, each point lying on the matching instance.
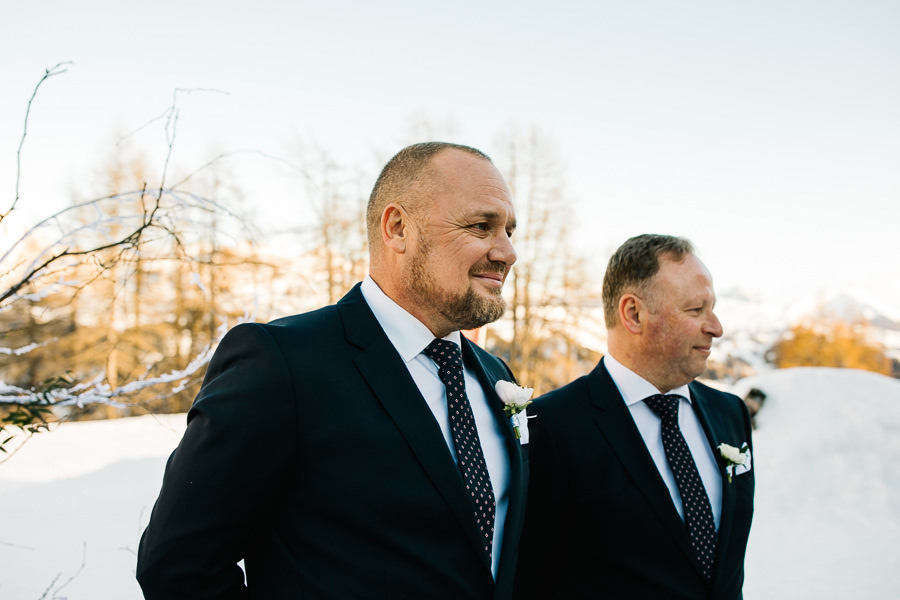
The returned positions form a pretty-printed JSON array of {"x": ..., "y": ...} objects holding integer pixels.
[
  {"x": 469, "y": 456},
  {"x": 698, "y": 515}
]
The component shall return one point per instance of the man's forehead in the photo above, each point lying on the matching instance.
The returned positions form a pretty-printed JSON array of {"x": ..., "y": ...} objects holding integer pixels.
[
  {"x": 477, "y": 187},
  {"x": 689, "y": 270},
  {"x": 457, "y": 167}
]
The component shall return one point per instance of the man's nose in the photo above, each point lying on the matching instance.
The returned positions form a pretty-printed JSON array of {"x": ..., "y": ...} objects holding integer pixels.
[
  {"x": 713, "y": 325},
  {"x": 503, "y": 251}
]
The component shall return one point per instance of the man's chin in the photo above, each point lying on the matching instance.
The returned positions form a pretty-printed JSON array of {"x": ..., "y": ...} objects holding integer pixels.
[
  {"x": 492, "y": 301},
  {"x": 698, "y": 370},
  {"x": 484, "y": 311}
]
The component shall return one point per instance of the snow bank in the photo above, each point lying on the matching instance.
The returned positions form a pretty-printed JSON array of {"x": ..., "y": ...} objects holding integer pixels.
[
  {"x": 827, "y": 517},
  {"x": 81, "y": 495}
]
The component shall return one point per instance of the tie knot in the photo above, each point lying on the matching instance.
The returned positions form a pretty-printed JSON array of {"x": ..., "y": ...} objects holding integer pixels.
[
  {"x": 664, "y": 405},
  {"x": 446, "y": 354}
]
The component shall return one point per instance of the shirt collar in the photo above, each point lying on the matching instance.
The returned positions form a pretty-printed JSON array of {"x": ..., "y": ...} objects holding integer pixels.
[
  {"x": 632, "y": 386},
  {"x": 408, "y": 334}
]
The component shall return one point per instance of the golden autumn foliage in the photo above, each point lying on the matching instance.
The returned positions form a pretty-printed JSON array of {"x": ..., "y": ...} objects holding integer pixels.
[
  {"x": 141, "y": 285},
  {"x": 831, "y": 344}
]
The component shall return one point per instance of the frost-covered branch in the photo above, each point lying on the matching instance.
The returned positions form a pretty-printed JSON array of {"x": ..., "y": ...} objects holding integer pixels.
[
  {"x": 75, "y": 288},
  {"x": 119, "y": 222},
  {"x": 97, "y": 391},
  {"x": 29, "y": 410}
]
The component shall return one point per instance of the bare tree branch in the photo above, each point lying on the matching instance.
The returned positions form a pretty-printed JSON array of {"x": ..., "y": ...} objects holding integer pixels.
[
  {"x": 113, "y": 237},
  {"x": 57, "y": 69},
  {"x": 71, "y": 578},
  {"x": 50, "y": 587},
  {"x": 265, "y": 155},
  {"x": 170, "y": 115}
]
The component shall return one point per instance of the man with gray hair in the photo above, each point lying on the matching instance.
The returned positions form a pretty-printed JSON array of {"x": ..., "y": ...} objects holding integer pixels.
[{"x": 641, "y": 483}]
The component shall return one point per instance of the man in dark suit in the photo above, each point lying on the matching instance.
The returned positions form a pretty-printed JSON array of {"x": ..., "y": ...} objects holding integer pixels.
[
  {"x": 632, "y": 493},
  {"x": 321, "y": 450}
]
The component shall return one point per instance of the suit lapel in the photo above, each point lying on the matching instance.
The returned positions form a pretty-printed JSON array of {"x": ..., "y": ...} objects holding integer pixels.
[
  {"x": 617, "y": 425},
  {"x": 384, "y": 371},
  {"x": 714, "y": 434},
  {"x": 488, "y": 375}
]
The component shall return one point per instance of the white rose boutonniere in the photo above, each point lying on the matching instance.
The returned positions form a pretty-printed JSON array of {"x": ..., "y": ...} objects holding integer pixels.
[
  {"x": 515, "y": 399},
  {"x": 735, "y": 457}
]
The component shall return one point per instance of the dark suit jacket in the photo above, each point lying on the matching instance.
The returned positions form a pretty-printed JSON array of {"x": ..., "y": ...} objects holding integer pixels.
[
  {"x": 311, "y": 455},
  {"x": 600, "y": 522}
]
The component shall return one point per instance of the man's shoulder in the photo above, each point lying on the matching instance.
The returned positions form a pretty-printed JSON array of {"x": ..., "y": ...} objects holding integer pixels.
[
  {"x": 314, "y": 331},
  {"x": 323, "y": 317},
  {"x": 306, "y": 319},
  {"x": 564, "y": 399},
  {"x": 284, "y": 332}
]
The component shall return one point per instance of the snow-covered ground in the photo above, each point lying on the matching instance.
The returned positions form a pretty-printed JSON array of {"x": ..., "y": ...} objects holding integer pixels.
[
  {"x": 74, "y": 502},
  {"x": 81, "y": 495},
  {"x": 827, "y": 519}
]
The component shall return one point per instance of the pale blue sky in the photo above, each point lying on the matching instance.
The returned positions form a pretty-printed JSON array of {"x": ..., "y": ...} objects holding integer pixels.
[{"x": 767, "y": 132}]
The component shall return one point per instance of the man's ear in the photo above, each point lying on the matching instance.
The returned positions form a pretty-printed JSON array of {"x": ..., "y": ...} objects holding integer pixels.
[
  {"x": 630, "y": 313},
  {"x": 396, "y": 226}
]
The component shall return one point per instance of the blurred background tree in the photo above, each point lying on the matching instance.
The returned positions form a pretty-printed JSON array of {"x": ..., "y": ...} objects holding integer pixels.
[
  {"x": 548, "y": 335},
  {"x": 831, "y": 343},
  {"x": 112, "y": 306}
]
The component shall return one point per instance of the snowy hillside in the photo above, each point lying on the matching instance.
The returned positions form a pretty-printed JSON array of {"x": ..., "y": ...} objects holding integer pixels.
[
  {"x": 753, "y": 325},
  {"x": 826, "y": 525}
]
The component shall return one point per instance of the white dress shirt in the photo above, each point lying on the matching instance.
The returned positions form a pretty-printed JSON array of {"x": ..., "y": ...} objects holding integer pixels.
[
  {"x": 634, "y": 390},
  {"x": 410, "y": 337}
]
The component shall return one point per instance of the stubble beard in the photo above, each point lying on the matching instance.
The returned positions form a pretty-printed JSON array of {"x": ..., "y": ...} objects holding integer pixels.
[{"x": 467, "y": 310}]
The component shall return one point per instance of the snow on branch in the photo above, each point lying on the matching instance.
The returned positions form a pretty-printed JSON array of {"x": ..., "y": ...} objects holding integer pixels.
[
  {"x": 97, "y": 392},
  {"x": 111, "y": 238},
  {"x": 119, "y": 222}
]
